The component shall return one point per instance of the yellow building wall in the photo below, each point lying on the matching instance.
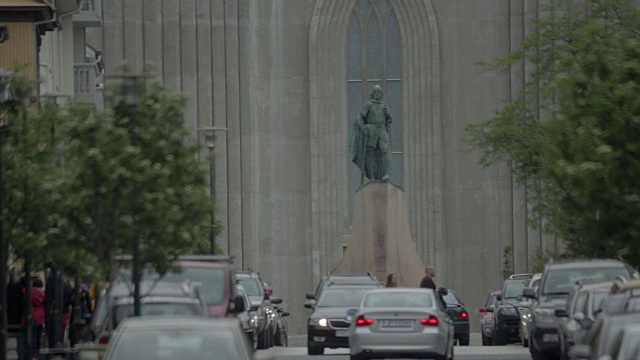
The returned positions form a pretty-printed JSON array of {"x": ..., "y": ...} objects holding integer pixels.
[{"x": 17, "y": 53}]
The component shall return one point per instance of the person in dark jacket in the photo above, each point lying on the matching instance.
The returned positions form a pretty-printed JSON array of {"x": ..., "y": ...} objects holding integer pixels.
[
  {"x": 427, "y": 280},
  {"x": 392, "y": 281}
]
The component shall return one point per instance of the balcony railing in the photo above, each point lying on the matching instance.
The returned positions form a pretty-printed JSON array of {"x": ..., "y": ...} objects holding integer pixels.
[{"x": 85, "y": 81}]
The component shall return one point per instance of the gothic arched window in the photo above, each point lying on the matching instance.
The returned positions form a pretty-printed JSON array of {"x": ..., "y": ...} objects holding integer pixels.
[{"x": 374, "y": 58}]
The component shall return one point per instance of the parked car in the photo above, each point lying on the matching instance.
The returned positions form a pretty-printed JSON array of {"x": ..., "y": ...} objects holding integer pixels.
[
  {"x": 507, "y": 314},
  {"x": 527, "y": 304},
  {"x": 486, "y": 318},
  {"x": 621, "y": 297},
  {"x": 557, "y": 281},
  {"x": 603, "y": 338},
  {"x": 401, "y": 322},
  {"x": 282, "y": 334},
  {"x": 578, "y": 316},
  {"x": 460, "y": 316},
  {"x": 248, "y": 319},
  {"x": 629, "y": 348},
  {"x": 214, "y": 277},
  {"x": 158, "y": 298},
  {"x": 343, "y": 279},
  {"x": 179, "y": 338},
  {"x": 328, "y": 323},
  {"x": 259, "y": 298}
]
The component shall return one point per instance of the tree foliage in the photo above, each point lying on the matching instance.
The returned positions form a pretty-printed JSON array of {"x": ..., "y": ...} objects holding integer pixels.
[
  {"x": 80, "y": 185},
  {"x": 575, "y": 127}
]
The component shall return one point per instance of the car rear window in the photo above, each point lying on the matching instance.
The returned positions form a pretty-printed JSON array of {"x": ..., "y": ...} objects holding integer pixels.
[
  {"x": 172, "y": 344},
  {"x": 251, "y": 286},
  {"x": 398, "y": 299},
  {"x": 513, "y": 289},
  {"x": 561, "y": 281},
  {"x": 209, "y": 281}
]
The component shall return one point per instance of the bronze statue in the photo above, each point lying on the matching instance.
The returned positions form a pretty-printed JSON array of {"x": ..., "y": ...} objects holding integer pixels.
[{"x": 370, "y": 142}]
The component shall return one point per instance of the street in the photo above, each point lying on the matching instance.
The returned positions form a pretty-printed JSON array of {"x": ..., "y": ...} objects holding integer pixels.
[{"x": 509, "y": 352}]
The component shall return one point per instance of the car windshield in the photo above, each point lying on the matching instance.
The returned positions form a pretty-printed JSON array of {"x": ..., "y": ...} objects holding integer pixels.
[
  {"x": 124, "y": 311},
  {"x": 209, "y": 281},
  {"x": 346, "y": 297},
  {"x": 561, "y": 281},
  {"x": 176, "y": 344},
  {"x": 398, "y": 299},
  {"x": 513, "y": 289},
  {"x": 251, "y": 286}
]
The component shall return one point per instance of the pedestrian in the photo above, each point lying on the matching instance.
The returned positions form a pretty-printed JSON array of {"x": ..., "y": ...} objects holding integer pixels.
[
  {"x": 15, "y": 300},
  {"x": 427, "y": 280},
  {"x": 392, "y": 280},
  {"x": 37, "y": 312}
]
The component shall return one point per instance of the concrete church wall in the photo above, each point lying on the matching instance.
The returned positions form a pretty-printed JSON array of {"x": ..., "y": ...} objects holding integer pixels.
[{"x": 249, "y": 66}]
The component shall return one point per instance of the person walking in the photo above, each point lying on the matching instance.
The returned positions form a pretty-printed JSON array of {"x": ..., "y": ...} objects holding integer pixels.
[
  {"x": 37, "y": 312},
  {"x": 427, "y": 280},
  {"x": 392, "y": 280}
]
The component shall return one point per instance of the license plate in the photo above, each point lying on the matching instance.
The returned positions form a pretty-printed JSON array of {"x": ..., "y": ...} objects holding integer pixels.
[
  {"x": 396, "y": 323},
  {"x": 550, "y": 338},
  {"x": 342, "y": 333}
]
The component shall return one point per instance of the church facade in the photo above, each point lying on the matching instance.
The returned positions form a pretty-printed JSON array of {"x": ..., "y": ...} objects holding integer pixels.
[{"x": 286, "y": 79}]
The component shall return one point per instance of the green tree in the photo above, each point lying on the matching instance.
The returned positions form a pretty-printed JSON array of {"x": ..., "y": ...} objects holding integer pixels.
[{"x": 574, "y": 129}]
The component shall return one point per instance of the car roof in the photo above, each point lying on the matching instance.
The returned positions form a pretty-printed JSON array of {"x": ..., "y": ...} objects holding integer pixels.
[
  {"x": 156, "y": 288},
  {"x": 400, "y": 290},
  {"x": 495, "y": 292},
  {"x": 586, "y": 263},
  {"x": 203, "y": 264},
  {"x": 165, "y": 321}
]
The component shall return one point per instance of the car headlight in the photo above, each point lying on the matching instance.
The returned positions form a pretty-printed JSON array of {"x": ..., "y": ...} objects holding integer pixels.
[
  {"x": 544, "y": 315},
  {"x": 319, "y": 322}
]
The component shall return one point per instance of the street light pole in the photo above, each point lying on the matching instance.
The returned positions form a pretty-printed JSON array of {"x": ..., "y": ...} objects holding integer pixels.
[{"x": 210, "y": 143}]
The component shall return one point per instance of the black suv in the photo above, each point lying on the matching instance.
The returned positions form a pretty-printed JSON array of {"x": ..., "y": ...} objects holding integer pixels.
[
  {"x": 259, "y": 298},
  {"x": 328, "y": 323},
  {"x": 506, "y": 316},
  {"x": 342, "y": 279},
  {"x": 558, "y": 279}
]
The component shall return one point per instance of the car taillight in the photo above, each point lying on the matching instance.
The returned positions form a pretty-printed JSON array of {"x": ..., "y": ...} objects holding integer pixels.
[
  {"x": 103, "y": 339},
  {"x": 432, "y": 321},
  {"x": 363, "y": 321},
  {"x": 463, "y": 315}
]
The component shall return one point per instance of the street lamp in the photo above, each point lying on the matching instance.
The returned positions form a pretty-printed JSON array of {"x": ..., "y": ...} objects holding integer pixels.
[{"x": 210, "y": 143}]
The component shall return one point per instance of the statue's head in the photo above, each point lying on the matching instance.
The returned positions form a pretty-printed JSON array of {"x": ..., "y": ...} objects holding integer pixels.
[{"x": 376, "y": 93}]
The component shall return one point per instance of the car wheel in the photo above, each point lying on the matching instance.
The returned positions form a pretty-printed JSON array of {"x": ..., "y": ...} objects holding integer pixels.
[
  {"x": 254, "y": 342},
  {"x": 271, "y": 337},
  {"x": 486, "y": 341},
  {"x": 463, "y": 342},
  {"x": 284, "y": 337},
  {"x": 538, "y": 355},
  {"x": 525, "y": 343},
  {"x": 263, "y": 340},
  {"x": 315, "y": 350}
]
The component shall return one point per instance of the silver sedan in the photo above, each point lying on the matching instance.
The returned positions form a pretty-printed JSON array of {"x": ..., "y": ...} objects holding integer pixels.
[{"x": 401, "y": 322}]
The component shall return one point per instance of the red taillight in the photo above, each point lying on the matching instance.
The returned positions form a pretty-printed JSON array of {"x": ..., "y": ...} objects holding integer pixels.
[
  {"x": 362, "y": 321},
  {"x": 432, "y": 321},
  {"x": 463, "y": 315},
  {"x": 103, "y": 340}
]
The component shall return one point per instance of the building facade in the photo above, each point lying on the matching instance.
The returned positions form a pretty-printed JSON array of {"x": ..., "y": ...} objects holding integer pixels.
[{"x": 286, "y": 78}]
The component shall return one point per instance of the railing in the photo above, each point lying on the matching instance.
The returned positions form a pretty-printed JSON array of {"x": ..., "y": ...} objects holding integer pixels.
[
  {"x": 85, "y": 81},
  {"x": 93, "y": 6}
]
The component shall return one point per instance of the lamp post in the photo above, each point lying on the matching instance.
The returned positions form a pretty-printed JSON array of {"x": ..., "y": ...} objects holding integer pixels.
[
  {"x": 210, "y": 143},
  {"x": 131, "y": 98}
]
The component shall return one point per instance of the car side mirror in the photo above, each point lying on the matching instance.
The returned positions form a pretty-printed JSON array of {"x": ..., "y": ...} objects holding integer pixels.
[
  {"x": 561, "y": 313},
  {"x": 499, "y": 297},
  {"x": 529, "y": 293},
  {"x": 491, "y": 308},
  {"x": 238, "y": 304},
  {"x": 284, "y": 313},
  {"x": 275, "y": 301},
  {"x": 482, "y": 309},
  {"x": 580, "y": 351},
  {"x": 310, "y": 296}
]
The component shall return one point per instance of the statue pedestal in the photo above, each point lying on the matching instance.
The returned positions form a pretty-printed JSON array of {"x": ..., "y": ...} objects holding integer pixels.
[{"x": 381, "y": 242}]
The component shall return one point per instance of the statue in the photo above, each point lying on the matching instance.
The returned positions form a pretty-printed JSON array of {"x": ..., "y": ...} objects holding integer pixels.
[{"x": 370, "y": 142}]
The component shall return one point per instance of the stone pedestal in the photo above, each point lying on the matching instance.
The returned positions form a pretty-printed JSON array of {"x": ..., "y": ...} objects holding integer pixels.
[{"x": 380, "y": 240}]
